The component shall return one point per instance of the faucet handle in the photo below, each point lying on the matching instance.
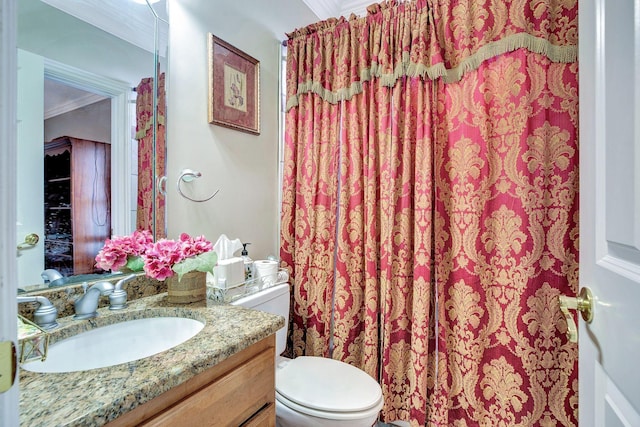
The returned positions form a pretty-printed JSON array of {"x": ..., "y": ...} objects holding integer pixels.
[
  {"x": 118, "y": 298},
  {"x": 121, "y": 282},
  {"x": 46, "y": 314}
]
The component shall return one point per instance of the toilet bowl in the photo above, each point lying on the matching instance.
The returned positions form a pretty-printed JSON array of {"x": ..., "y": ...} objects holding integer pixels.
[{"x": 315, "y": 391}]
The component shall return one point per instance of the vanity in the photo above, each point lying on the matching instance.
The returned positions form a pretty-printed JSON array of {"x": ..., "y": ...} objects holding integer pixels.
[{"x": 223, "y": 376}]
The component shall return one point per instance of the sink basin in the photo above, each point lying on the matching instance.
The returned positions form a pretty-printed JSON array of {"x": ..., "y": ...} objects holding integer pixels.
[{"x": 117, "y": 343}]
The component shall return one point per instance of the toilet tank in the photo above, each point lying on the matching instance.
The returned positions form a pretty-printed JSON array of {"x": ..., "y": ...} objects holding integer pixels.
[{"x": 274, "y": 300}]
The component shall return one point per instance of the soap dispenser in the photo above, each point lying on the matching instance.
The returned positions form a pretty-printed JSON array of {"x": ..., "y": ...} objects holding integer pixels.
[{"x": 248, "y": 262}]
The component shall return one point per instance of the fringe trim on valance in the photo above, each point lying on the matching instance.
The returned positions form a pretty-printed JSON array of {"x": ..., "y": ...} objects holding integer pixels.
[{"x": 562, "y": 54}]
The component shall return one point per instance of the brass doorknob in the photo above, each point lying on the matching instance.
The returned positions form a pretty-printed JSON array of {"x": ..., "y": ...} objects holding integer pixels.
[
  {"x": 30, "y": 240},
  {"x": 583, "y": 303}
]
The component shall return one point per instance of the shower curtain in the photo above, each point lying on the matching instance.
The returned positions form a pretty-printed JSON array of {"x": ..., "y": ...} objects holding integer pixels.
[
  {"x": 430, "y": 205},
  {"x": 144, "y": 135}
]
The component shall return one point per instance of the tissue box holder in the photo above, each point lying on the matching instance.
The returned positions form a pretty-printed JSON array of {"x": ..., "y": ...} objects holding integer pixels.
[{"x": 229, "y": 272}]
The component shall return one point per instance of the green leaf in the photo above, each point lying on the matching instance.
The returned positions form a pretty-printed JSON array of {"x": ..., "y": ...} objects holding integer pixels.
[
  {"x": 203, "y": 262},
  {"x": 134, "y": 263}
]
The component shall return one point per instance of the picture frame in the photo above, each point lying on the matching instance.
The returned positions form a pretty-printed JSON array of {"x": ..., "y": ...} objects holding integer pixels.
[{"x": 234, "y": 87}]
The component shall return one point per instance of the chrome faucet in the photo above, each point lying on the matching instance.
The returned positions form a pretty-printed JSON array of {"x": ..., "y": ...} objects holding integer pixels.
[
  {"x": 53, "y": 277},
  {"x": 46, "y": 313},
  {"x": 118, "y": 298},
  {"x": 86, "y": 305}
]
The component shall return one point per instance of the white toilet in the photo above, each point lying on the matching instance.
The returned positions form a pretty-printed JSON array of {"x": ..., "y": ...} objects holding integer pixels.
[{"x": 315, "y": 391}]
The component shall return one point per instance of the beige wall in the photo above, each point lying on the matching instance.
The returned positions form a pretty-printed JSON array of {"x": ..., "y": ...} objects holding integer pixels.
[{"x": 243, "y": 166}]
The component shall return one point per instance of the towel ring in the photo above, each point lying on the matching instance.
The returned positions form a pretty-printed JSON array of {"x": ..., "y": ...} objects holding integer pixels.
[{"x": 188, "y": 175}]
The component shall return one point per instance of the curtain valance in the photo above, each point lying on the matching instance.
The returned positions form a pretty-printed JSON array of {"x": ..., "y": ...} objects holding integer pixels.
[{"x": 425, "y": 38}]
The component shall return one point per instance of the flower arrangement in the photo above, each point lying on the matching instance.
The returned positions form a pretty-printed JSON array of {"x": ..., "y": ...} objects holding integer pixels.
[
  {"x": 124, "y": 251},
  {"x": 167, "y": 257},
  {"x": 159, "y": 260}
]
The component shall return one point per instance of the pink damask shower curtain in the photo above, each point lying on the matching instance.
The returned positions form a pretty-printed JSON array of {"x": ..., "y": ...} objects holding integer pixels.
[
  {"x": 506, "y": 214},
  {"x": 383, "y": 254},
  {"x": 506, "y": 244},
  {"x": 146, "y": 174},
  {"x": 430, "y": 209},
  {"x": 356, "y": 226}
]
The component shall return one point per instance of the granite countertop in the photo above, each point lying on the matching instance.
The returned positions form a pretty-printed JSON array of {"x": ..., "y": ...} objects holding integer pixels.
[{"x": 97, "y": 396}]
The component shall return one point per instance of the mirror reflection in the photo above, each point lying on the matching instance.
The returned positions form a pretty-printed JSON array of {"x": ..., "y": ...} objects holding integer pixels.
[{"x": 89, "y": 74}]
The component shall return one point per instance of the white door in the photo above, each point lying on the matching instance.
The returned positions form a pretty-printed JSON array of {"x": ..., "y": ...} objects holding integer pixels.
[
  {"x": 609, "y": 374},
  {"x": 8, "y": 170},
  {"x": 30, "y": 169}
]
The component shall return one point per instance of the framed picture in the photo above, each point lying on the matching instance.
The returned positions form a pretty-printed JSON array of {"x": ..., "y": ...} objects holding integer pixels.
[{"x": 234, "y": 87}]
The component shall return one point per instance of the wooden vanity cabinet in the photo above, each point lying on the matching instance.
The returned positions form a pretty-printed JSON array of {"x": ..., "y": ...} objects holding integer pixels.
[
  {"x": 239, "y": 391},
  {"x": 77, "y": 203}
]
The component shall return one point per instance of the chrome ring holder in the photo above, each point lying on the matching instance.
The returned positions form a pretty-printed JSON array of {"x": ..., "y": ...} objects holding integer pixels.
[{"x": 188, "y": 175}]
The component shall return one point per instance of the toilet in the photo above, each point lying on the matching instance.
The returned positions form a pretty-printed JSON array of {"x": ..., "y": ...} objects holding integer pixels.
[{"x": 315, "y": 391}]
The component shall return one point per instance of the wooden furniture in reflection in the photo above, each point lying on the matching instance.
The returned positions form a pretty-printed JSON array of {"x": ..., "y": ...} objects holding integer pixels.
[{"x": 77, "y": 193}]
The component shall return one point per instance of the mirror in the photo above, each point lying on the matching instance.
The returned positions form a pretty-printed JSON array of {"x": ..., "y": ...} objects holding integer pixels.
[{"x": 81, "y": 67}]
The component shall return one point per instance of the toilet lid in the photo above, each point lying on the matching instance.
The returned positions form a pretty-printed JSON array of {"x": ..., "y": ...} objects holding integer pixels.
[{"x": 327, "y": 385}]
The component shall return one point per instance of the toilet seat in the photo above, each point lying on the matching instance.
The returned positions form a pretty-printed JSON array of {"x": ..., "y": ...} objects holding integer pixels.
[
  {"x": 327, "y": 388},
  {"x": 335, "y": 416}
]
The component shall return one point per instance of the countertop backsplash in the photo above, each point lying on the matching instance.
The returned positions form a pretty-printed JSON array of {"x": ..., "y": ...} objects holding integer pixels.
[{"x": 62, "y": 297}]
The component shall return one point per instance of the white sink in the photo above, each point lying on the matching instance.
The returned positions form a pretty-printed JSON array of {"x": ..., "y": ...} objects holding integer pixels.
[{"x": 117, "y": 343}]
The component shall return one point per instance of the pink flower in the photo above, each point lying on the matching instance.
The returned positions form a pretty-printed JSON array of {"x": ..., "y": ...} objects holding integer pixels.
[
  {"x": 160, "y": 257},
  {"x": 114, "y": 254},
  {"x": 194, "y": 246}
]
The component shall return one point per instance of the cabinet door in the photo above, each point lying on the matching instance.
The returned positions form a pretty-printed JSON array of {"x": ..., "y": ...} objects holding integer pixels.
[
  {"x": 90, "y": 201},
  {"x": 265, "y": 418},
  {"x": 229, "y": 401},
  {"x": 77, "y": 203}
]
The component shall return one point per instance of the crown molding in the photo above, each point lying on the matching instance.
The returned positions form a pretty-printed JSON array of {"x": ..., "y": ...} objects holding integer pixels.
[{"x": 78, "y": 102}]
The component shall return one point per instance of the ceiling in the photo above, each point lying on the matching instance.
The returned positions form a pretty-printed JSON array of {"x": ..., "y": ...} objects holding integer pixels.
[
  {"x": 108, "y": 15},
  {"x": 325, "y": 9}
]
